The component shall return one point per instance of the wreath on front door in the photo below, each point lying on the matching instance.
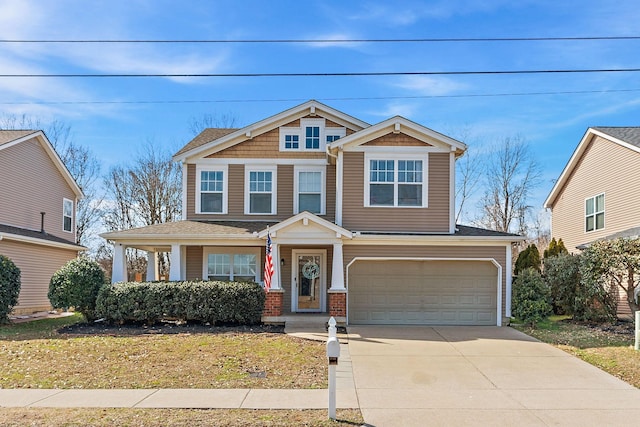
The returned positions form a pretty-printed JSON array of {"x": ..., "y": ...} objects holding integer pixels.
[{"x": 311, "y": 270}]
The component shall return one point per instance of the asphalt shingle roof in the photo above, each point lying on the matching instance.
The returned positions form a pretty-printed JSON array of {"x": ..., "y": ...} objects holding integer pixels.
[
  {"x": 206, "y": 136},
  {"x": 12, "y": 135},
  {"x": 197, "y": 228},
  {"x": 630, "y": 135},
  {"x": 18, "y": 231}
]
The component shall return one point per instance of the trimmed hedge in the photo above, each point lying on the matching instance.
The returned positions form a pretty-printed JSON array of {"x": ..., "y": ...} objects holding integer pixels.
[
  {"x": 9, "y": 287},
  {"x": 207, "y": 302},
  {"x": 76, "y": 284}
]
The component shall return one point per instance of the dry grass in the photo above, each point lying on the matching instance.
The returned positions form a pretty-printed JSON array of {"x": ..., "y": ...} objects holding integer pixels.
[
  {"x": 11, "y": 417},
  {"x": 35, "y": 355},
  {"x": 609, "y": 347}
]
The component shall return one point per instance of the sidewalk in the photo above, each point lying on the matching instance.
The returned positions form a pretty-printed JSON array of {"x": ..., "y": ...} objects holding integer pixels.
[{"x": 192, "y": 398}]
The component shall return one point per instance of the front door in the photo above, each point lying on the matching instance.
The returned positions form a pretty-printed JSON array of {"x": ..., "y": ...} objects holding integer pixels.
[{"x": 309, "y": 281}]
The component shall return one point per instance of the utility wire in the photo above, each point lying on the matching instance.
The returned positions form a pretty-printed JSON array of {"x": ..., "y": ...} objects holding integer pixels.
[
  {"x": 334, "y": 74},
  {"x": 294, "y": 41},
  {"x": 477, "y": 95}
]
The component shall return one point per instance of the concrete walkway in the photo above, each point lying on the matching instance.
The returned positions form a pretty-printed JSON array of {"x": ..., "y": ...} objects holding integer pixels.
[{"x": 480, "y": 376}]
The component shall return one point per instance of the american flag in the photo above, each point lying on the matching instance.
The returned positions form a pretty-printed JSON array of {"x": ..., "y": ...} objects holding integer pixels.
[{"x": 268, "y": 265}]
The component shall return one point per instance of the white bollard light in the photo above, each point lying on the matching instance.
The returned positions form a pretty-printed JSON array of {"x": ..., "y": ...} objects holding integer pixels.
[
  {"x": 637, "y": 346},
  {"x": 333, "y": 353}
]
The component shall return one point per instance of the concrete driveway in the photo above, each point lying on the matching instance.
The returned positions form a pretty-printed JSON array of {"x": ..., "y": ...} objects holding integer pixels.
[{"x": 480, "y": 376}]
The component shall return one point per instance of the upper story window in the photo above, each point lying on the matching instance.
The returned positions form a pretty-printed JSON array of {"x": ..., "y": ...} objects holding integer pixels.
[
  {"x": 594, "y": 213},
  {"x": 211, "y": 187},
  {"x": 309, "y": 187},
  {"x": 395, "y": 181},
  {"x": 312, "y": 135},
  {"x": 260, "y": 194},
  {"x": 67, "y": 215}
]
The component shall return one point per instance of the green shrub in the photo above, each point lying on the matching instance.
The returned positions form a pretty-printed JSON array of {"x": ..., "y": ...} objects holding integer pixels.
[
  {"x": 207, "y": 302},
  {"x": 555, "y": 248},
  {"x": 76, "y": 285},
  {"x": 528, "y": 258},
  {"x": 531, "y": 297},
  {"x": 596, "y": 296},
  {"x": 562, "y": 274},
  {"x": 9, "y": 287}
]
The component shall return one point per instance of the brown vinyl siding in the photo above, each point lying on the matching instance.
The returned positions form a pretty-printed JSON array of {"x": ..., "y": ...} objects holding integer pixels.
[
  {"x": 608, "y": 168},
  {"x": 285, "y": 194},
  {"x": 403, "y": 251},
  {"x": 434, "y": 218},
  {"x": 37, "y": 265},
  {"x": 31, "y": 184},
  {"x": 194, "y": 263}
]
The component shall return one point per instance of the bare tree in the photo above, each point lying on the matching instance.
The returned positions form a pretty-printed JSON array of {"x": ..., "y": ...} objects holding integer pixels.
[
  {"x": 212, "y": 120},
  {"x": 468, "y": 179},
  {"x": 79, "y": 160},
  {"x": 145, "y": 192},
  {"x": 510, "y": 174}
]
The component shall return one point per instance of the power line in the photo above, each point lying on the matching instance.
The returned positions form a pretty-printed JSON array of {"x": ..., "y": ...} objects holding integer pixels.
[
  {"x": 220, "y": 101},
  {"x": 329, "y": 74},
  {"x": 332, "y": 41}
]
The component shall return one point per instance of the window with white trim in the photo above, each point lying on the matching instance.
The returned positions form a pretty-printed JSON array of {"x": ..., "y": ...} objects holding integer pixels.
[
  {"x": 232, "y": 264},
  {"x": 211, "y": 189},
  {"x": 312, "y": 135},
  {"x": 309, "y": 188},
  {"x": 395, "y": 181},
  {"x": 260, "y": 194},
  {"x": 67, "y": 215},
  {"x": 594, "y": 213}
]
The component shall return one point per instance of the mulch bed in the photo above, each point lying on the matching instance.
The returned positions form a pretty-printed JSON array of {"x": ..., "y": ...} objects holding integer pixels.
[{"x": 165, "y": 327}]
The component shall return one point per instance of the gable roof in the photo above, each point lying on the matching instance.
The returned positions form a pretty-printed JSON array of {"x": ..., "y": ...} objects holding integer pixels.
[
  {"x": 400, "y": 124},
  {"x": 210, "y": 141},
  {"x": 306, "y": 217},
  {"x": 628, "y": 137},
  {"x": 9, "y": 138}
]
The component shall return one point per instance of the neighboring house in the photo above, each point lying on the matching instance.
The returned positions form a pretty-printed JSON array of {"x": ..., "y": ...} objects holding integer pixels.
[
  {"x": 37, "y": 213},
  {"x": 361, "y": 218},
  {"x": 597, "y": 196}
]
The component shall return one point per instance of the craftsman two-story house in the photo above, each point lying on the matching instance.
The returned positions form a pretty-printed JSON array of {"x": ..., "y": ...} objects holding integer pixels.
[{"x": 361, "y": 219}]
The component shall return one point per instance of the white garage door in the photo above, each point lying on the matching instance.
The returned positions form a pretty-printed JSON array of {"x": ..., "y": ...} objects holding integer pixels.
[{"x": 422, "y": 292}]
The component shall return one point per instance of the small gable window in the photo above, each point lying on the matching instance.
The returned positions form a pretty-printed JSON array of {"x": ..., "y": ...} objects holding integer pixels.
[
  {"x": 594, "y": 213},
  {"x": 311, "y": 135},
  {"x": 67, "y": 215}
]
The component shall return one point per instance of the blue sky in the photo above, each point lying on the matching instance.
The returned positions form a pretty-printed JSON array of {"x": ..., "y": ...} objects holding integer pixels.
[{"x": 553, "y": 123}]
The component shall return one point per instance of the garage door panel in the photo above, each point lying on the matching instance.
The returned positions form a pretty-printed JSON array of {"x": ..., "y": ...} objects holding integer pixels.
[{"x": 423, "y": 292}]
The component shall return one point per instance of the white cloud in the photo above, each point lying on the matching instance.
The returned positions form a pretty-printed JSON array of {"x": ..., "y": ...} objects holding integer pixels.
[
  {"x": 336, "y": 37},
  {"x": 429, "y": 85}
]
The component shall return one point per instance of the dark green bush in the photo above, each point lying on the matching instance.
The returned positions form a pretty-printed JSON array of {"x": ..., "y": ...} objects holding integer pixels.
[
  {"x": 531, "y": 297},
  {"x": 207, "y": 302},
  {"x": 562, "y": 274},
  {"x": 76, "y": 285},
  {"x": 9, "y": 287},
  {"x": 596, "y": 295},
  {"x": 528, "y": 258}
]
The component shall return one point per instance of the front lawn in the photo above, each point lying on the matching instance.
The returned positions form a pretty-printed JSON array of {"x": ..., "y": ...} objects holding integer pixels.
[
  {"x": 609, "y": 347},
  {"x": 41, "y": 355}
]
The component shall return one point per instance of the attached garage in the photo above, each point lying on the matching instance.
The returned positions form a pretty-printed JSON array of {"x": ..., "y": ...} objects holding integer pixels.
[{"x": 422, "y": 292}]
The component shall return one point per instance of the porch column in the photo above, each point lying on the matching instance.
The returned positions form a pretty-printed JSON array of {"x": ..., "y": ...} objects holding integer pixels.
[
  {"x": 275, "y": 254},
  {"x": 337, "y": 269},
  {"x": 175, "y": 271},
  {"x": 119, "y": 266},
  {"x": 152, "y": 266}
]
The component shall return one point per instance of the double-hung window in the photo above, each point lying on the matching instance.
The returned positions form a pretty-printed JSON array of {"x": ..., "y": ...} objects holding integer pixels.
[
  {"x": 235, "y": 264},
  {"x": 594, "y": 213},
  {"x": 211, "y": 186},
  {"x": 260, "y": 194},
  {"x": 309, "y": 189},
  {"x": 395, "y": 181},
  {"x": 67, "y": 215}
]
